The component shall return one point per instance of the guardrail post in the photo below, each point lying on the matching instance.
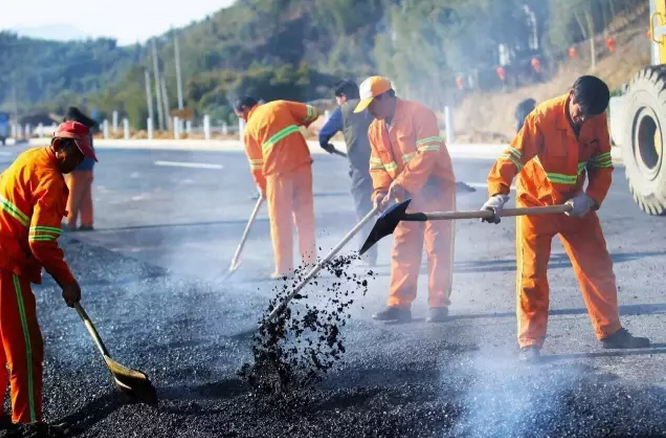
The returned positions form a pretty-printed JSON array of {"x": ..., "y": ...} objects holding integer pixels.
[{"x": 206, "y": 127}]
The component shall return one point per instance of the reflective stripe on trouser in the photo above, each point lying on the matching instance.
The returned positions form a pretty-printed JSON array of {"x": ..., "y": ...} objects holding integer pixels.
[
  {"x": 22, "y": 348},
  {"x": 584, "y": 243},
  {"x": 80, "y": 198},
  {"x": 408, "y": 242},
  {"x": 361, "y": 191},
  {"x": 290, "y": 202}
]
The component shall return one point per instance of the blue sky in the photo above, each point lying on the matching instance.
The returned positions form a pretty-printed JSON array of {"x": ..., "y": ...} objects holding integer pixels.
[{"x": 128, "y": 21}]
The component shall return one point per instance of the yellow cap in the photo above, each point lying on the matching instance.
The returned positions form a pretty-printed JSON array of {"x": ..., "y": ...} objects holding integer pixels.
[{"x": 371, "y": 88}]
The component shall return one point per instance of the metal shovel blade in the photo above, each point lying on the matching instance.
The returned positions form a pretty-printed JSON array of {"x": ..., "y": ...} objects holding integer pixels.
[
  {"x": 386, "y": 224},
  {"x": 134, "y": 384},
  {"x": 231, "y": 271}
]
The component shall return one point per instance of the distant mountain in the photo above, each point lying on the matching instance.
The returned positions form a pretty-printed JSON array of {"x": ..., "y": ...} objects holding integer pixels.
[{"x": 56, "y": 32}]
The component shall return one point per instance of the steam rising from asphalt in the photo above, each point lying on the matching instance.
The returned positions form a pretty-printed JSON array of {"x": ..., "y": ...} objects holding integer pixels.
[{"x": 505, "y": 398}]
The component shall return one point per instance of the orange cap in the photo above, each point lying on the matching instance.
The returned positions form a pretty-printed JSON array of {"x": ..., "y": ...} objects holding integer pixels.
[{"x": 371, "y": 88}]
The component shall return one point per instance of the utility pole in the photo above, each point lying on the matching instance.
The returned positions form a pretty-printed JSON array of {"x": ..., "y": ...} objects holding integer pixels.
[
  {"x": 149, "y": 96},
  {"x": 158, "y": 94},
  {"x": 179, "y": 79},
  {"x": 165, "y": 102}
]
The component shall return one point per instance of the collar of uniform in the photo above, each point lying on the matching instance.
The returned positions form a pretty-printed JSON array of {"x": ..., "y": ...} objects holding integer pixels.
[
  {"x": 563, "y": 118},
  {"x": 398, "y": 113},
  {"x": 254, "y": 108},
  {"x": 51, "y": 156}
]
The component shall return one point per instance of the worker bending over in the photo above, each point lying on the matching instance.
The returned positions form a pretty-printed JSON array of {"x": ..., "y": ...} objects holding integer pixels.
[
  {"x": 355, "y": 129},
  {"x": 282, "y": 169},
  {"x": 33, "y": 196},
  {"x": 562, "y": 141},
  {"x": 409, "y": 160}
]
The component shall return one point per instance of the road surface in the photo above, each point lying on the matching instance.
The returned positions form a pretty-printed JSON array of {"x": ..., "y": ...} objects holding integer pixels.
[{"x": 167, "y": 224}]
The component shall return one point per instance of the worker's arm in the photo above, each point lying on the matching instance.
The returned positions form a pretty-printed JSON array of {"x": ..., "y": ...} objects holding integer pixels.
[
  {"x": 256, "y": 159},
  {"x": 49, "y": 209},
  {"x": 428, "y": 148},
  {"x": 525, "y": 146},
  {"x": 304, "y": 114},
  {"x": 600, "y": 166},
  {"x": 381, "y": 180},
  {"x": 332, "y": 126}
]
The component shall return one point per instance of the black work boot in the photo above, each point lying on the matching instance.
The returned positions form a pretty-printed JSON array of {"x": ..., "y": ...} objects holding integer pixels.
[
  {"x": 438, "y": 314},
  {"x": 44, "y": 430},
  {"x": 623, "y": 339},
  {"x": 86, "y": 228},
  {"x": 529, "y": 354},
  {"x": 393, "y": 314},
  {"x": 8, "y": 428}
]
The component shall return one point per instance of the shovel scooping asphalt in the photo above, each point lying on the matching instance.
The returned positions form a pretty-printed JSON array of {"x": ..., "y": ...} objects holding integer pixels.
[
  {"x": 235, "y": 262},
  {"x": 132, "y": 383},
  {"x": 389, "y": 220},
  {"x": 318, "y": 267}
]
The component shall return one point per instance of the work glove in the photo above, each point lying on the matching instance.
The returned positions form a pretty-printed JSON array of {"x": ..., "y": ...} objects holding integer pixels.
[
  {"x": 71, "y": 293},
  {"x": 496, "y": 205},
  {"x": 378, "y": 201},
  {"x": 580, "y": 205},
  {"x": 328, "y": 148}
]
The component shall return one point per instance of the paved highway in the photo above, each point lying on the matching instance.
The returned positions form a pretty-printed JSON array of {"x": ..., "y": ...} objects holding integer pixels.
[{"x": 168, "y": 223}]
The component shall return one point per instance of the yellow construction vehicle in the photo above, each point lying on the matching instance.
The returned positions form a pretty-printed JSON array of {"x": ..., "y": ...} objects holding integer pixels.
[{"x": 638, "y": 122}]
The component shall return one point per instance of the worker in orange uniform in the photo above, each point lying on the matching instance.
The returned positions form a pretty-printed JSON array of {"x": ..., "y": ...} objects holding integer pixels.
[
  {"x": 610, "y": 44},
  {"x": 282, "y": 169},
  {"x": 33, "y": 196},
  {"x": 562, "y": 141},
  {"x": 409, "y": 160},
  {"x": 80, "y": 180},
  {"x": 536, "y": 64},
  {"x": 573, "y": 53}
]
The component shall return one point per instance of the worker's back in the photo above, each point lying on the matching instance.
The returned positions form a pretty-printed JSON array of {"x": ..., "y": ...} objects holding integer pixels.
[
  {"x": 355, "y": 130},
  {"x": 24, "y": 184},
  {"x": 275, "y": 127}
]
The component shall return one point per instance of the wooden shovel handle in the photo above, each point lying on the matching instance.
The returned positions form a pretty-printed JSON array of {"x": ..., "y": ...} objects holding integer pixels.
[
  {"x": 487, "y": 214},
  {"x": 92, "y": 330}
]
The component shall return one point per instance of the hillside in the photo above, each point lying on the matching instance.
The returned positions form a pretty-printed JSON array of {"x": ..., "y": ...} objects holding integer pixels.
[
  {"x": 297, "y": 49},
  {"x": 489, "y": 117},
  {"x": 34, "y": 71}
]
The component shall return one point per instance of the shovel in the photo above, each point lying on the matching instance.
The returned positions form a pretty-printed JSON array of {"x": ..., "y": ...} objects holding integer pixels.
[
  {"x": 132, "y": 383},
  {"x": 389, "y": 220},
  {"x": 318, "y": 267},
  {"x": 235, "y": 262}
]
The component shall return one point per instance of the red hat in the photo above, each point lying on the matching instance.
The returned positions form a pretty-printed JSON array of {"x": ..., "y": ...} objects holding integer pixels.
[{"x": 80, "y": 134}]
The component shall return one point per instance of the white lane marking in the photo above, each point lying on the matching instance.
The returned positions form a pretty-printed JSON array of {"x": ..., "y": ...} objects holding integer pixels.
[
  {"x": 481, "y": 185},
  {"x": 188, "y": 164}
]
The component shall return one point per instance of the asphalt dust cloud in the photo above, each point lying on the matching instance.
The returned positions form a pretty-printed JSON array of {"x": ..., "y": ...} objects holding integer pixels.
[{"x": 304, "y": 342}]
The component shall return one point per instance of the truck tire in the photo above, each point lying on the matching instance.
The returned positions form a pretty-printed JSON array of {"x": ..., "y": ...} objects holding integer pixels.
[{"x": 644, "y": 139}]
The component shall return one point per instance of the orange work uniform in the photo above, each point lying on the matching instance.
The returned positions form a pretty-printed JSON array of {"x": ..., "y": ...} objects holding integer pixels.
[
  {"x": 281, "y": 166},
  {"x": 552, "y": 163},
  {"x": 410, "y": 152},
  {"x": 33, "y": 196}
]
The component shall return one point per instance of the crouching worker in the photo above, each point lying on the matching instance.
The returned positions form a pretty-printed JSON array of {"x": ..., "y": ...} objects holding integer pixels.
[
  {"x": 562, "y": 141},
  {"x": 33, "y": 196},
  {"x": 409, "y": 160}
]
